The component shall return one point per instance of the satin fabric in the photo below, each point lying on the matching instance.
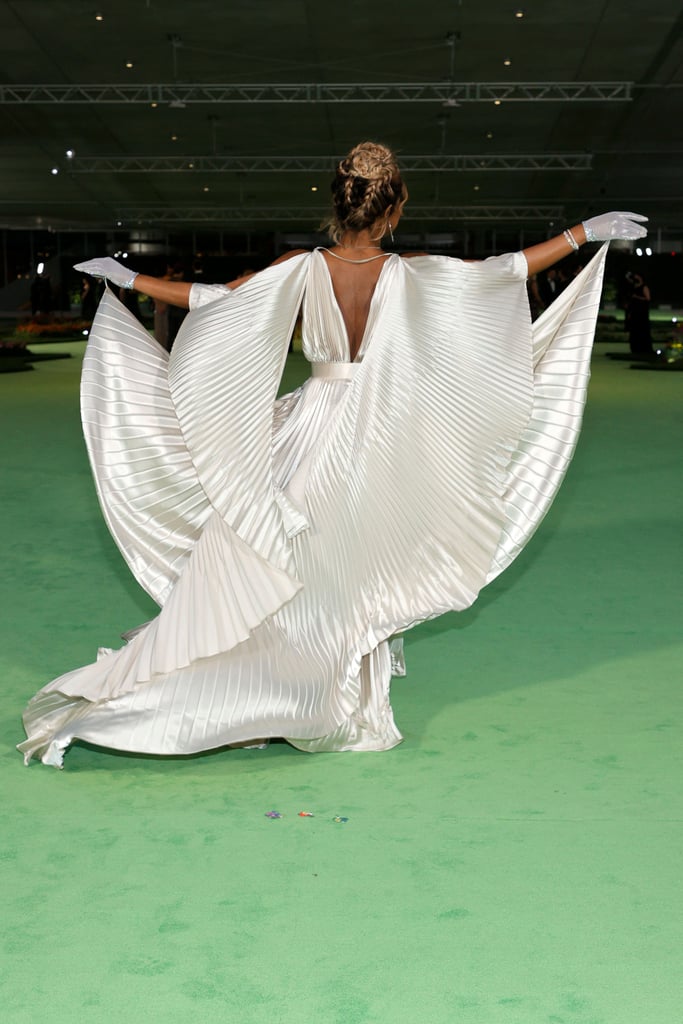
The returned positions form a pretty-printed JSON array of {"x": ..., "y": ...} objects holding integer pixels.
[{"x": 288, "y": 539}]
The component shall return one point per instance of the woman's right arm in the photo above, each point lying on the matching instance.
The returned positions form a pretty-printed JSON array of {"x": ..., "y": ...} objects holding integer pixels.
[{"x": 174, "y": 293}]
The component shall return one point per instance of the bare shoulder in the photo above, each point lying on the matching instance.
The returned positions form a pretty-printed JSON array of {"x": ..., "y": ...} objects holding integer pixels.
[
  {"x": 281, "y": 259},
  {"x": 288, "y": 256}
]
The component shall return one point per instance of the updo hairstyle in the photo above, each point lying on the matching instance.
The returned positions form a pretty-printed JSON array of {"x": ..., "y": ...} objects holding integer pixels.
[{"x": 366, "y": 186}]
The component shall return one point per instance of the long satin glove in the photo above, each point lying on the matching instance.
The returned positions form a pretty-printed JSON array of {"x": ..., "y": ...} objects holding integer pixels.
[
  {"x": 115, "y": 272},
  {"x": 620, "y": 224}
]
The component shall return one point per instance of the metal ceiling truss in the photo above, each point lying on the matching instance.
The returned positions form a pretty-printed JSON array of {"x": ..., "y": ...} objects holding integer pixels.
[
  {"x": 133, "y": 215},
  {"x": 449, "y": 94},
  {"x": 326, "y": 164}
]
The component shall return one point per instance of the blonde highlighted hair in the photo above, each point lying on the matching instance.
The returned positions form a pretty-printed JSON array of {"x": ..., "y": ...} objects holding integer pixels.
[{"x": 366, "y": 187}]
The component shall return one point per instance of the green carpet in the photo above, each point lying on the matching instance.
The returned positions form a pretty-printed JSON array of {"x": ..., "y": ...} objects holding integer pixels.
[{"x": 515, "y": 861}]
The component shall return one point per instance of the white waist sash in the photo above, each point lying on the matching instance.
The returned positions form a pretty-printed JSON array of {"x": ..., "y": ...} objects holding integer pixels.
[{"x": 334, "y": 371}]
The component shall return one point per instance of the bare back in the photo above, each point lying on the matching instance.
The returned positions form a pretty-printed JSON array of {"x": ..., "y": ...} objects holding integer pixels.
[{"x": 354, "y": 285}]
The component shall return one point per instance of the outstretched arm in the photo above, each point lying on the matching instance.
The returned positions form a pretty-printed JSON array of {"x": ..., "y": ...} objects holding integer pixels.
[
  {"x": 607, "y": 226},
  {"x": 175, "y": 293},
  {"x": 545, "y": 254}
]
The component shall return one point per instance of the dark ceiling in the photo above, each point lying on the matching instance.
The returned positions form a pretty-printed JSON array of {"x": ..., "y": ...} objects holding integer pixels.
[{"x": 623, "y": 152}]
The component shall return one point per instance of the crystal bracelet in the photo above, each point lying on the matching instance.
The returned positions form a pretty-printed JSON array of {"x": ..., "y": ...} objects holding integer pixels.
[
  {"x": 129, "y": 284},
  {"x": 571, "y": 240}
]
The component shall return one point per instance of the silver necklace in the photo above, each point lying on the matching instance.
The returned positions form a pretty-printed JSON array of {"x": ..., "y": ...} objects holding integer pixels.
[
  {"x": 357, "y": 248},
  {"x": 368, "y": 259}
]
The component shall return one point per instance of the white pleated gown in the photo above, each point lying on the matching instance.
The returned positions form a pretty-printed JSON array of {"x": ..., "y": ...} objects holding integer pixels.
[{"x": 286, "y": 540}]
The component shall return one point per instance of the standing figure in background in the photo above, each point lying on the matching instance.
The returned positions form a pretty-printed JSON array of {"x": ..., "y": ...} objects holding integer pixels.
[
  {"x": 536, "y": 304},
  {"x": 548, "y": 284},
  {"x": 88, "y": 298},
  {"x": 41, "y": 294},
  {"x": 161, "y": 314},
  {"x": 175, "y": 314},
  {"x": 638, "y": 317}
]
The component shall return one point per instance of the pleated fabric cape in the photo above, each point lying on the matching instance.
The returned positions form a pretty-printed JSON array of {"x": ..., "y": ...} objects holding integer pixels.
[{"x": 427, "y": 475}]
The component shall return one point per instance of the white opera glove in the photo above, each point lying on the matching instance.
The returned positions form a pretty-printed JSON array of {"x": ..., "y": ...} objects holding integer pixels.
[
  {"x": 115, "y": 272},
  {"x": 607, "y": 226}
]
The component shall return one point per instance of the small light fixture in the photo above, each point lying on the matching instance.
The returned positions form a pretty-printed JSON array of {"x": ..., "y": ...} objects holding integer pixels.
[
  {"x": 648, "y": 251},
  {"x": 154, "y": 105},
  {"x": 70, "y": 154},
  {"x": 639, "y": 252},
  {"x": 497, "y": 103},
  {"x": 99, "y": 17},
  {"x": 507, "y": 62},
  {"x": 174, "y": 138},
  {"x": 314, "y": 188},
  {"x": 191, "y": 167},
  {"x": 519, "y": 14},
  {"x": 476, "y": 188},
  {"x": 129, "y": 64},
  {"x": 40, "y": 268},
  {"x": 489, "y": 135},
  {"x": 124, "y": 255},
  {"x": 54, "y": 170},
  {"x": 205, "y": 189},
  {"x": 119, "y": 223}
]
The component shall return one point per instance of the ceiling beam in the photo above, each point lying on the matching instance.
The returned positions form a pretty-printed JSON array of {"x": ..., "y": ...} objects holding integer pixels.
[
  {"x": 326, "y": 164},
  {"x": 449, "y": 94},
  {"x": 128, "y": 216}
]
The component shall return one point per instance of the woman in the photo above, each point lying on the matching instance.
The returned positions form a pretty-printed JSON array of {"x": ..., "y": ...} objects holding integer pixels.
[
  {"x": 287, "y": 540},
  {"x": 638, "y": 317}
]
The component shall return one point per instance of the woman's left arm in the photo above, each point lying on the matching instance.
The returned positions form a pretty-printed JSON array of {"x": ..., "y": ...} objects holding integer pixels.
[{"x": 607, "y": 226}]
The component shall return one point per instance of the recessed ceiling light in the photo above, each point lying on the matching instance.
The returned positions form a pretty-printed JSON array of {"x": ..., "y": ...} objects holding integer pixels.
[
  {"x": 489, "y": 135},
  {"x": 191, "y": 166},
  {"x": 70, "y": 154},
  {"x": 54, "y": 170},
  {"x": 99, "y": 17},
  {"x": 519, "y": 14},
  {"x": 206, "y": 188},
  {"x": 174, "y": 138},
  {"x": 476, "y": 188},
  {"x": 129, "y": 64},
  {"x": 507, "y": 62},
  {"x": 314, "y": 188},
  {"x": 497, "y": 103},
  {"x": 154, "y": 105}
]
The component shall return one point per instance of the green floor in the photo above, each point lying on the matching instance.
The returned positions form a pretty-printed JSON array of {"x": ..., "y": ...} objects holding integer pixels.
[{"x": 516, "y": 861}]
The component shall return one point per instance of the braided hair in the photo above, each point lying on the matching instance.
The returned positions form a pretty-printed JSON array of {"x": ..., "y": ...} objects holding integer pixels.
[{"x": 366, "y": 186}]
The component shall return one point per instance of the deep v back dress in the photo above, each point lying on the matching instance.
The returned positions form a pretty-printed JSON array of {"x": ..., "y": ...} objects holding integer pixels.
[{"x": 287, "y": 539}]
